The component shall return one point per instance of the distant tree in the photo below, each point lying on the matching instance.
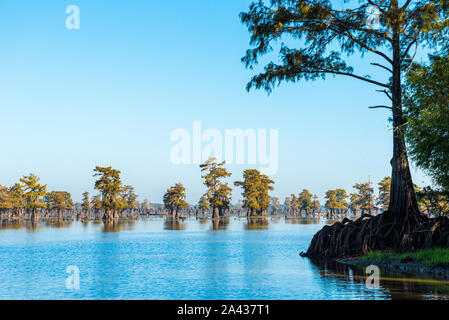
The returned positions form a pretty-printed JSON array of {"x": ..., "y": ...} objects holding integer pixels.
[
  {"x": 366, "y": 196},
  {"x": 33, "y": 193},
  {"x": 275, "y": 205},
  {"x": 96, "y": 203},
  {"x": 435, "y": 202},
  {"x": 239, "y": 205},
  {"x": 146, "y": 205},
  {"x": 174, "y": 199},
  {"x": 427, "y": 110},
  {"x": 315, "y": 204},
  {"x": 288, "y": 204},
  {"x": 5, "y": 200},
  {"x": 130, "y": 197},
  {"x": 342, "y": 204},
  {"x": 203, "y": 204},
  {"x": 58, "y": 201},
  {"x": 305, "y": 200},
  {"x": 85, "y": 205},
  {"x": 294, "y": 203},
  {"x": 384, "y": 193},
  {"x": 110, "y": 186},
  {"x": 331, "y": 201},
  {"x": 218, "y": 192},
  {"x": 255, "y": 191},
  {"x": 355, "y": 203},
  {"x": 16, "y": 193}
]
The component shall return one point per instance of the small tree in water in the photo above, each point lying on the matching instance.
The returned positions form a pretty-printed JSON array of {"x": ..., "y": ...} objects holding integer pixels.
[
  {"x": 110, "y": 186},
  {"x": 218, "y": 192},
  {"x": 255, "y": 191},
  {"x": 174, "y": 200}
]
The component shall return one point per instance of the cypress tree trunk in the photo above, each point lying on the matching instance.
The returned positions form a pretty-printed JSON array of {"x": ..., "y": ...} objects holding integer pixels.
[{"x": 403, "y": 202}]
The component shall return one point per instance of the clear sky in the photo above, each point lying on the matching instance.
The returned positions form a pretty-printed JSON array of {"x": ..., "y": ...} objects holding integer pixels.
[{"x": 112, "y": 92}]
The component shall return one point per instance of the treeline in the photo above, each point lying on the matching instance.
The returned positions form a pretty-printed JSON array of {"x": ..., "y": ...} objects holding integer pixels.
[
  {"x": 114, "y": 200},
  {"x": 217, "y": 198},
  {"x": 258, "y": 202}
]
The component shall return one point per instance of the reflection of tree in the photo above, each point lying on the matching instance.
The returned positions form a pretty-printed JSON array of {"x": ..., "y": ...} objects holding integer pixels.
[
  {"x": 117, "y": 226},
  {"x": 58, "y": 223},
  {"x": 220, "y": 224},
  {"x": 202, "y": 220},
  {"x": 290, "y": 220},
  {"x": 398, "y": 285},
  {"x": 174, "y": 224},
  {"x": 12, "y": 224},
  {"x": 257, "y": 224}
]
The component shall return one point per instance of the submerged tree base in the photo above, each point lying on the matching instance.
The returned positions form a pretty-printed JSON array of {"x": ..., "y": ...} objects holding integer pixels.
[{"x": 386, "y": 231}]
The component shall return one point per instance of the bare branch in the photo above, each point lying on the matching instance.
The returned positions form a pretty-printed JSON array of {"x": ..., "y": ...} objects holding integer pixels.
[
  {"x": 377, "y": 107},
  {"x": 384, "y": 67},
  {"x": 386, "y": 92}
]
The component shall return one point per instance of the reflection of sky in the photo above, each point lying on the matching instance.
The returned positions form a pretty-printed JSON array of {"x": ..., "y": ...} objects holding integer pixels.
[{"x": 148, "y": 261}]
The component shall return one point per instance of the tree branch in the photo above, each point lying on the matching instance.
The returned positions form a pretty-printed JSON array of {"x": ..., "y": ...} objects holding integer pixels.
[
  {"x": 386, "y": 92},
  {"x": 377, "y": 107},
  {"x": 357, "y": 77},
  {"x": 384, "y": 67}
]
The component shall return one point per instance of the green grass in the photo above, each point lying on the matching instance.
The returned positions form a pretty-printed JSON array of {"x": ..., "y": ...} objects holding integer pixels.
[{"x": 431, "y": 256}]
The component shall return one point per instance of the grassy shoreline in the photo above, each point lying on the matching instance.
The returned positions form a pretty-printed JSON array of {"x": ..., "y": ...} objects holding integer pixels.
[
  {"x": 433, "y": 262},
  {"x": 430, "y": 257}
]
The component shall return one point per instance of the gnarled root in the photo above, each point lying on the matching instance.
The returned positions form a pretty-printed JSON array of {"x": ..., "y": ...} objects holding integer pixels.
[{"x": 386, "y": 231}]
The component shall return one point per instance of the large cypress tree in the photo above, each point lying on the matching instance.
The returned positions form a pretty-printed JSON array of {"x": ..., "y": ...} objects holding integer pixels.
[{"x": 318, "y": 26}]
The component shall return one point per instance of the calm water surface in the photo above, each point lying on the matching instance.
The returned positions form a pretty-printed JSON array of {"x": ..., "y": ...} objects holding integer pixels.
[{"x": 192, "y": 259}]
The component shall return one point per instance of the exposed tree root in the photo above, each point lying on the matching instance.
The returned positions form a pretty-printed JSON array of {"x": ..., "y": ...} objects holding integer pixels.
[{"x": 386, "y": 231}]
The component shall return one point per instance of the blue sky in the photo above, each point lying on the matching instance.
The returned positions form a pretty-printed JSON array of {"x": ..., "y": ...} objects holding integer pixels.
[{"x": 112, "y": 92}]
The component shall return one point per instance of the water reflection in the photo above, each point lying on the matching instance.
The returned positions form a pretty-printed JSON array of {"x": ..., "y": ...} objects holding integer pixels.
[
  {"x": 117, "y": 226},
  {"x": 174, "y": 224},
  {"x": 256, "y": 224},
  {"x": 301, "y": 220},
  {"x": 394, "y": 284},
  {"x": 215, "y": 259},
  {"x": 220, "y": 224}
]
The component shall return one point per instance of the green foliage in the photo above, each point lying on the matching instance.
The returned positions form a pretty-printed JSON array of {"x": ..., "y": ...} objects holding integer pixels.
[
  {"x": 384, "y": 193},
  {"x": 336, "y": 200},
  {"x": 203, "y": 204},
  {"x": 129, "y": 197},
  {"x": 33, "y": 192},
  {"x": 58, "y": 200},
  {"x": 16, "y": 193},
  {"x": 305, "y": 200},
  {"x": 218, "y": 192},
  {"x": 433, "y": 201},
  {"x": 174, "y": 198},
  {"x": 432, "y": 256},
  {"x": 319, "y": 26},
  {"x": 255, "y": 190},
  {"x": 315, "y": 203},
  {"x": 5, "y": 199},
  {"x": 85, "y": 204},
  {"x": 365, "y": 196},
  {"x": 110, "y": 186},
  {"x": 427, "y": 109}
]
